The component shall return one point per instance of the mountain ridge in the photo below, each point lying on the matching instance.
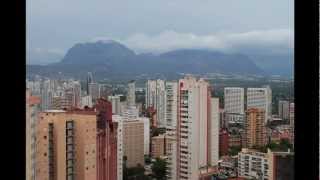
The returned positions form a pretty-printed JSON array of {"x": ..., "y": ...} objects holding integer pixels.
[{"x": 110, "y": 58}]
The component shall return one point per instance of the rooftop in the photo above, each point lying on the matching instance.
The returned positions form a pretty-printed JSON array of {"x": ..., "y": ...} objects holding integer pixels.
[{"x": 54, "y": 111}]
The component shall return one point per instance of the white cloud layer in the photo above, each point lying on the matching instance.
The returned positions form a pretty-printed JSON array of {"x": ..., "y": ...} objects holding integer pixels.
[{"x": 273, "y": 40}]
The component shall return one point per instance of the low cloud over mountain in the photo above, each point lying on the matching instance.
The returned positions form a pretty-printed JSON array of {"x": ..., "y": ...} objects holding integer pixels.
[{"x": 261, "y": 41}]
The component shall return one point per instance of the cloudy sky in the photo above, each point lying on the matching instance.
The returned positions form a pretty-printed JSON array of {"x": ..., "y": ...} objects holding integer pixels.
[{"x": 159, "y": 25}]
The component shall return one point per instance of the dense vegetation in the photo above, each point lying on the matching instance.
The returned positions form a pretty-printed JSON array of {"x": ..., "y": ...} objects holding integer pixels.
[{"x": 159, "y": 169}]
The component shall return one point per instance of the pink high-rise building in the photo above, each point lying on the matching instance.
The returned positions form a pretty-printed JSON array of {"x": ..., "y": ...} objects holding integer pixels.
[{"x": 198, "y": 119}]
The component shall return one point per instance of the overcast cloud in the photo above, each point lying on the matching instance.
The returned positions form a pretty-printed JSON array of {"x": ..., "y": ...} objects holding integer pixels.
[
  {"x": 160, "y": 25},
  {"x": 274, "y": 40}
]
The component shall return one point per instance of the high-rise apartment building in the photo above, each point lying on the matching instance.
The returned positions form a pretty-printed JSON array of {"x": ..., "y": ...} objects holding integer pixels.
[
  {"x": 255, "y": 128},
  {"x": 171, "y": 160},
  {"x": 260, "y": 98},
  {"x": 130, "y": 113},
  {"x": 283, "y": 109},
  {"x": 66, "y": 145},
  {"x": 94, "y": 91},
  {"x": 214, "y": 131},
  {"x": 146, "y": 134},
  {"x": 281, "y": 165},
  {"x": 195, "y": 153},
  {"x": 106, "y": 141},
  {"x": 160, "y": 103},
  {"x": 234, "y": 104},
  {"x": 291, "y": 115},
  {"x": 133, "y": 142},
  {"x": 70, "y": 97},
  {"x": 34, "y": 87},
  {"x": 151, "y": 113},
  {"x": 86, "y": 101},
  {"x": 46, "y": 95},
  {"x": 151, "y": 91},
  {"x": 32, "y": 109},
  {"x": 223, "y": 120},
  {"x": 89, "y": 81},
  {"x": 77, "y": 94},
  {"x": 119, "y": 120},
  {"x": 60, "y": 103},
  {"x": 291, "y": 119},
  {"x": 223, "y": 142},
  {"x": 171, "y": 107},
  {"x": 116, "y": 106},
  {"x": 158, "y": 146},
  {"x": 267, "y": 166},
  {"x": 105, "y": 90},
  {"x": 131, "y": 95},
  {"x": 155, "y": 97},
  {"x": 77, "y": 144},
  {"x": 171, "y": 119},
  {"x": 253, "y": 164}
]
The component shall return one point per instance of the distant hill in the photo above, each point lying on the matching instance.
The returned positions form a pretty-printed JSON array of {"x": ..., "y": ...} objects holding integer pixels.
[
  {"x": 275, "y": 64},
  {"x": 110, "y": 59}
]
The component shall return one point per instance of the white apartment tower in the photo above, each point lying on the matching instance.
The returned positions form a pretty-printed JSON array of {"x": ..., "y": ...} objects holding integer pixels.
[
  {"x": 155, "y": 97},
  {"x": 160, "y": 103},
  {"x": 194, "y": 128},
  {"x": 116, "y": 106},
  {"x": 86, "y": 101},
  {"x": 171, "y": 157},
  {"x": 146, "y": 133},
  {"x": 32, "y": 109},
  {"x": 89, "y": 81},
  {"x": 283, "y": 109},
  {"x": 171, "y": 115},
  {"x": 260, "y": 98},
  {"x": 151, "y": 88},
  {"x": 214, "y": 131},
  {"x": 46, "y": 95},
  {"x": 94, "y": 91},
  {"x": 171, "y": 107},
  {"x": 77, "y": 94},
  {"x": 119, "y": 120},
  {"x": 234, "y": 104},
  {"x": 131, "y": 96}
]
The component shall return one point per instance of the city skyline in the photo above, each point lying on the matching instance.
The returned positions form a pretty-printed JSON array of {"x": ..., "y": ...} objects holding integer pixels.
[
  {"x": 194, "y": 123},
  {"x": 165, "y": 90}
]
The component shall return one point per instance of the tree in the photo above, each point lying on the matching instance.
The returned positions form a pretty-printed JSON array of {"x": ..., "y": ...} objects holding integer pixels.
[
  {"x": 159, "y": 169},
  {"x": 234, "y": 150},
  {"x": 155, "y": 131},
  {"x": 284, "y": 145},
  {"x": 134, "y": 173},
  {"x": 147, "y": 159}
]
